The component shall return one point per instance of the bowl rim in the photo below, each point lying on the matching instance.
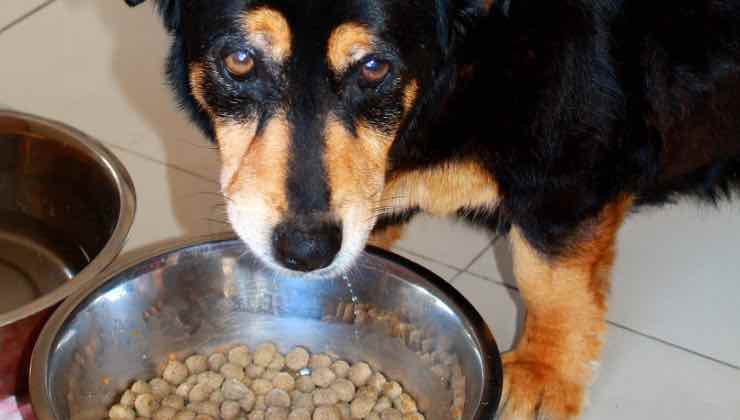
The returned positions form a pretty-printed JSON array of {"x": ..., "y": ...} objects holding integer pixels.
[
  {"x": 126, "y": 191},
  {"x": 38, "y": 371}
]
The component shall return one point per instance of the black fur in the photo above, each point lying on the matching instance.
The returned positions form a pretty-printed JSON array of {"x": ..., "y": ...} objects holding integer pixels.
[{"x": 568, "y": 103}]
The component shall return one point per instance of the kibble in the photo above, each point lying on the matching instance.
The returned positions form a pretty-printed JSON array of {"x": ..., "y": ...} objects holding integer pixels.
[
  {"x": 230, "y": 410},
  {"x": 277, "y": 398},
  {"x": 200, "y": 392},
  {"x": 323, "y": 377},
  {"x": 141, "y": 387},
  {"x": 216, "y": 396},
  {"x": 328, "y": 412},
  {"x": 165, "y": 413},
  {"x": 305, "y": 384},
  {"x": 196, "y": 363},
  {"x": 391, "y": 414},
  {"x": 256, "y": 415},
  {"x": 175, "y": 401},
  {"x": 405, "y": 404},
  {"x": 160, "y": 387},
  {"x": 297, "y": 359},
  {"x": 183, "y": 390},
  {"x": 360, "y": 373},
  {"x": 127, "y": 399},
  {"x": 345, "y": 389},
  {"x": 240, "y": 355},
  {"x": 266, "y": 385},
  {"x": 299, "y": 414},
  {"x": 340, "y": 368},
  {"x": 276, "y": 413},
  {"x": 319, "y": 360},
  {"x": 344, "y": 410},
  {"x": 215, "y": 361},
  {"x": 264, "y": 353},
  {"x": 232, "y": 371},
  {"x": 255, "y": 371},
  {"x": 233, "y": 389},
  {"x": 361, "y": 407},
  {"x": 175, "y": 372},
  {"x": 120, "y": 412},
  {"x": 185, "y": 415},
  {"x": 146, "y": 404},
  {"x": 392, "y": 390},
  {"x": 325, "y": 397},
  {"x": 284, "y": 381},
  {"x": 261, "y": 386}
]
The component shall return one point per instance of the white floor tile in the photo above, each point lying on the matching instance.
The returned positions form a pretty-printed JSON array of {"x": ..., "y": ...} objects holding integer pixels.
[
  {"x": 98, "y": 66},
  {"x": 13, "y": 9},
  {"x": 444, "y": 271},
  {"x": 677, "y": 277},
  {"x": 639, "y": 377},
  {"x": 171, "y": 204},
  {"x": 643, "y": 379},
  {"x": 445, "y": 240}
]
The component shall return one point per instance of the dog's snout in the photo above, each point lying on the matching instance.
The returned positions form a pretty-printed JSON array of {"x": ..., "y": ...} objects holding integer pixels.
[{"x": 304, "y": 247}]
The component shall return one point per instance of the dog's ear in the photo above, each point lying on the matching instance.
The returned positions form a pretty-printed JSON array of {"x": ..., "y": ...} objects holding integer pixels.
[
  {"x": 170, "y": 10},
  {"x": 464, "y": 16}
]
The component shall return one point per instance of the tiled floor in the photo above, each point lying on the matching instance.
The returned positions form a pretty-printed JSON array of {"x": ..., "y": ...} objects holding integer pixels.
[{"x": 674, "y": 337}]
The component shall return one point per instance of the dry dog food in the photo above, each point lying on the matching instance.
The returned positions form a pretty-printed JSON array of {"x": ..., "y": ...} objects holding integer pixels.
[{"x": 266, "y": 385}]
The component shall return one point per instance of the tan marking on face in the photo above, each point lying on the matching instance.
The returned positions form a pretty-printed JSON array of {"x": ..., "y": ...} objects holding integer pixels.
[
  {"x": 410, "y": 92},
  {"x": 233, "y": 141},
  {"x": 348, "y": 43},
  {"x": 355, "y": 166},
  {"x": 268, "y": 30},
  {"x": 197, "y": 75},
  {"x": 443, "y": 190},
  {"x": 261, "y": 170}
]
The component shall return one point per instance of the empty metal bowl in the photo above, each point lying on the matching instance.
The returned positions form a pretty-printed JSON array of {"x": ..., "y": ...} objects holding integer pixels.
[
  {"x": 208, "y": 294},
  {"x": 66, "y": 206}
]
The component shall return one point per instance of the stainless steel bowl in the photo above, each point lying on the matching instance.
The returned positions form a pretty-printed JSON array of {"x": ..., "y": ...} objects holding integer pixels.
[
  {"x": 206, "y": 294},
  {"x": 66, "y": 206}
]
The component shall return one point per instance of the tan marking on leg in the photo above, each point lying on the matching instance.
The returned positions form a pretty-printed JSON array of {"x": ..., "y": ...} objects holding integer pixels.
[
  {"x": 566, "y": 303},
  {"x": 268, "y": 30},
  {"x": 410, "y": 92},
  {"x": 443, "y": 190},
  {"x": 348, "y": 43},
  {"x": 386, "y": 237}
]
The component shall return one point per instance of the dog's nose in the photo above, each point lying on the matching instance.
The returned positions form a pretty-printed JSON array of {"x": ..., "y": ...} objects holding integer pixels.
[{"x": 303, "y": 248}]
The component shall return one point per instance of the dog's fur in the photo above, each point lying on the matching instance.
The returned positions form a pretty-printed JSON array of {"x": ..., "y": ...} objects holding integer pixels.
[{"x": 546, "y": 120}]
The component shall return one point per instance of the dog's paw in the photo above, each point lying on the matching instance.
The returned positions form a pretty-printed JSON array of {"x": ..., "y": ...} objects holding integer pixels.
[{"x": 534, "y": 391}]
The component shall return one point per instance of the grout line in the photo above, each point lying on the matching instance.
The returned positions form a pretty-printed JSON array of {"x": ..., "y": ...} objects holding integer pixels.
[
  {"x": 630, "y": 330},
  {"x": 26, "y": 15},
  {"x": 151, "y": 159},
  {"x": 416, "y": 254},
  {"x": 675, "y": 346},
  {"x": 476, "y": 258}
]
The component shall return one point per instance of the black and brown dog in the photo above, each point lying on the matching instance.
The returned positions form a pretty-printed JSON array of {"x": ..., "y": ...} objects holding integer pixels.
[{"x": 547, "y": 120}]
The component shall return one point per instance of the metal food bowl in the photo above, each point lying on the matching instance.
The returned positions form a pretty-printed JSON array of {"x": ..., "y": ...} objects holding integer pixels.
[
  {"x": 208, "y": 294},
  {"x": 66, "y": 206}
]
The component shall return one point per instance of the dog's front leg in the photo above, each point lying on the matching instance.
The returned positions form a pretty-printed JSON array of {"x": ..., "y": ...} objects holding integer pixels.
[{"x": 565, "y": 297}]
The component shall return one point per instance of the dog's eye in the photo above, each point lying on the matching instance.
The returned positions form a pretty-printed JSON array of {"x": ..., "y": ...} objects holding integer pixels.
[
  {"x": 373, "y": 72},
  {"x": 239, "y": 64}
]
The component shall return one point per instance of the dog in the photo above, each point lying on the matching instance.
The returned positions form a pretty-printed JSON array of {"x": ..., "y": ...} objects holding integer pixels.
[{"x": 548, "y": 121}]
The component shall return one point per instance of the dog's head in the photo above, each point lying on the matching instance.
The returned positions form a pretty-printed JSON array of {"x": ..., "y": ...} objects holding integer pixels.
[{"x": 305, "y": 99}]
